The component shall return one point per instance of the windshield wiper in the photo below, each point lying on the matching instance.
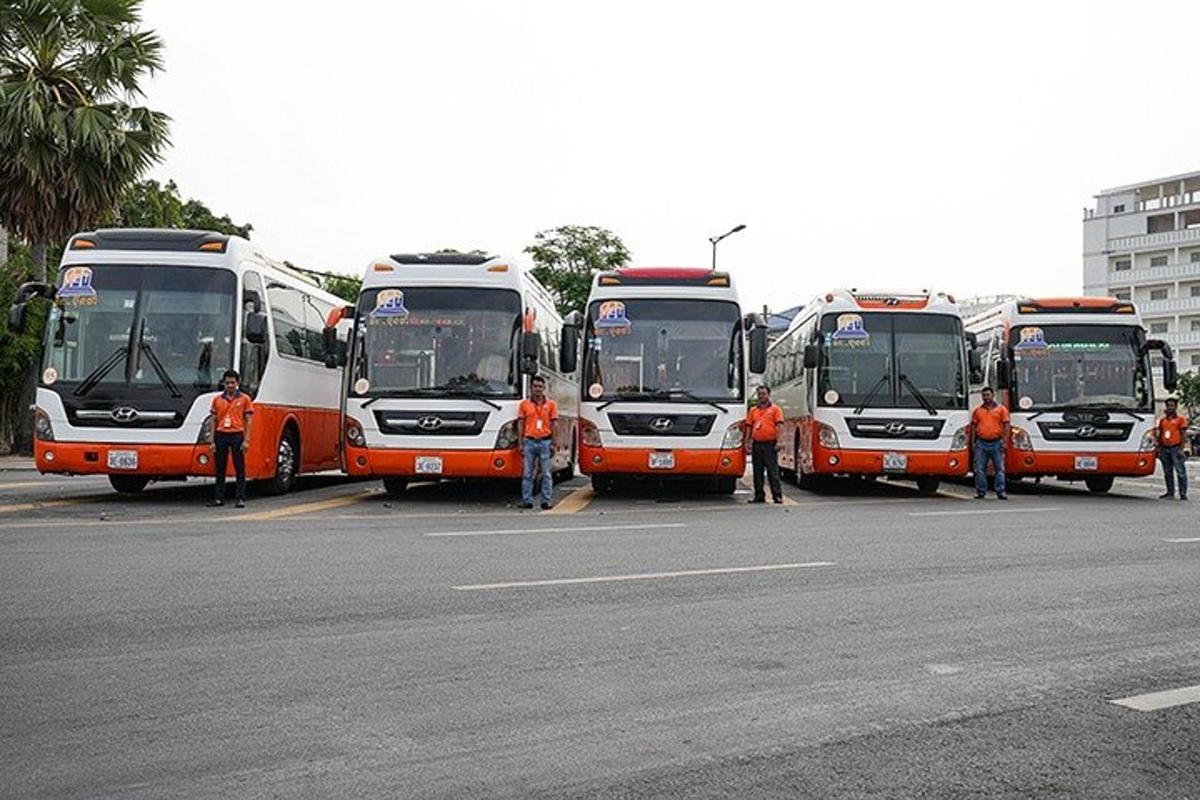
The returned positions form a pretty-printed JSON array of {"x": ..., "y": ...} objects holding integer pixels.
[
  {"x": 155, "y": 363},
  {"x": 95, "y": 376},
  {"x": 921, "y": 398},
  {"x": 433, "y": 391},
  {"x": 619, "y": 396},
  {"x": 883, "y": 379},
  {"x": 690, "y": 396}
]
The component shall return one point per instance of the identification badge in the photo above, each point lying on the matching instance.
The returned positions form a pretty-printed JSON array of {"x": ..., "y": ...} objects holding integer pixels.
[{"x": 228, "y": 422}]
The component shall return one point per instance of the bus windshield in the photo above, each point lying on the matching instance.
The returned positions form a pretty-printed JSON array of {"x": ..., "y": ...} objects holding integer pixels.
[
  {"x": 141, "y": 325},
  {"x": 663, "y": 349},
  {"x": 892, "y": 360},
  {"x": 438, "y": 341},
  {"x": 1079, "y": 365}
]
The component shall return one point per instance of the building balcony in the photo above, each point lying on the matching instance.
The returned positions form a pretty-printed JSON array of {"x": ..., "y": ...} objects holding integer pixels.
[
  {"x": 1150, "y": 241},
  {"x": 1171, "y": 272},
  {"x": 1178, "y": 339},
  {"x": 1174, "y": 305}
]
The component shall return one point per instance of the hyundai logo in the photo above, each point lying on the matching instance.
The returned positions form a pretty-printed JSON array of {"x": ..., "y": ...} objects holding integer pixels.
[
  {"x": 662, "y": 423},
  {"x": 1086, "y": 431},
  {"x": 429, "y": 423},
  {"x": 124, "y": 414},
  {"x": 895, "y": 429}
]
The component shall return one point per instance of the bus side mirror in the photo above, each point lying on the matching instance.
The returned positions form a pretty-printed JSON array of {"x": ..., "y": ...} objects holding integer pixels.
[
  {"x": 1170, "y": 375},
  {"x": 1003, "y": 374},
  {"x": 568, "y": 353},
  {"x": 758, "y": 349},
  {"x": 812, "y": 356},
  {"x": 975, "y": 365},
  {"x": 16, "y": 318},
  {"x": 254, "y": 330},
  {"x": 329, "y": 343},
  {"x": 531, "y": 347}
]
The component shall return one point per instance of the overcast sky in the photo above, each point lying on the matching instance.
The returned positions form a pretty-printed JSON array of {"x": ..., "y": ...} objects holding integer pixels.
[{"x": 892, "y": 144}]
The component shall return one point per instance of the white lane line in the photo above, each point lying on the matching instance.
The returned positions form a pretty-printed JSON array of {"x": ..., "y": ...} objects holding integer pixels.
[
  {"x": 966, "y": 511},
  {"x": 1159, "y": 700},
  {"x": 1183, "y": 541},
  {"x": 645, "y": 576},
  {"x": 563, "y": 529}
]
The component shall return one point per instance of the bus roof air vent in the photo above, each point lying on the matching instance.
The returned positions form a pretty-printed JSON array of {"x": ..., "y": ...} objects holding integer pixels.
[{"x": 448, "y": 259}]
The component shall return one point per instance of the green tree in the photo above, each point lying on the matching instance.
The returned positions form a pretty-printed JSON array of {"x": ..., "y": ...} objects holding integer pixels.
[
  {"x": 1188, "y": 391},
  {"x": 346, "y": 287},
  {"x": 148, "y": 204},
  {"x": 71, "y": 139},
  {"x": 567, "y": 257}
]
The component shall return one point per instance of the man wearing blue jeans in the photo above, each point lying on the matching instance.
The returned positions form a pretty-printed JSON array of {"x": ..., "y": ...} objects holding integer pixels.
[
  {"x": 538, "y": 414},
  {"x": 990, "y": 430}
]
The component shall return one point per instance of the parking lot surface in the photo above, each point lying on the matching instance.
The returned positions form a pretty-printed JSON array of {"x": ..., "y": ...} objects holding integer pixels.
[{"x": 862, "y": 641}]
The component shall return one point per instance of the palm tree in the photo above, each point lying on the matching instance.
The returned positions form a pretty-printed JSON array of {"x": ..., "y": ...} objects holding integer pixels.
[{"x": 71, "y": 138}]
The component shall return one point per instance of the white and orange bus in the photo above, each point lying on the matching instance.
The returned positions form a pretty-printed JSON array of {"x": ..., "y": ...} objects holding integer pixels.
[
  {"x": 442, "y": 347},
  {"x": 664, "y": 375},
  {"x": 873, "y": 384},
  {"x": 1075, "y": 374},
  {"x": 142, "y": 325}
]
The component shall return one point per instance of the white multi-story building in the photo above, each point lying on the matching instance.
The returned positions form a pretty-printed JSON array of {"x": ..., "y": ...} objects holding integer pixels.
[{"x": 1142, "y": 242}]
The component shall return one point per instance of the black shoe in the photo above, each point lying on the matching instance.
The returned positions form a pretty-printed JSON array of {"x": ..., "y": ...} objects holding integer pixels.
[
  {"x": 525, "y": 505},
  {"x": 1183, "y": 497},
  {"x": 757, "y": 500},
  {"x": 1165, "y": 496},
  {"x": 545, "y": 506},
  {"x": 240, "y": 504},
  {"x": 215, "y": 503},
  {"x": 1001, "y": 497},
  {"x": 980, "y": 495},
  {"x": 777, "y": 500}
]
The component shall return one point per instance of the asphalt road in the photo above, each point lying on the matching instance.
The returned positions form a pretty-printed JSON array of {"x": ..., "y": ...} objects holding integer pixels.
[{"x": 871, "y": 642}]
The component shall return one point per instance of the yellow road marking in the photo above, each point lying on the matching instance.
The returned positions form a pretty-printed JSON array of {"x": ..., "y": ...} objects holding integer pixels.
[
  {"x": 575, "y": 502},
  {"x": 34, "y": 506},
  {"x": 307, "y": 508},
  {"x": 31, "y": 484},
  {"x": 951, "y": 495}
]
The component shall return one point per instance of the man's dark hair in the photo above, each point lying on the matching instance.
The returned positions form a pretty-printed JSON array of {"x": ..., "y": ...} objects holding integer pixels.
[
  {"x": 231, "y": 373},
  {"x": 537, "y": 379},
  {"x": 764, "y": 386},
  {"x": 987, "y": 389}
]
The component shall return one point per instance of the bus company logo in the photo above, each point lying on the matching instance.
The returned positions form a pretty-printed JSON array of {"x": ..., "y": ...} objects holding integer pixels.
[
  {"x": 1032, "y": 340},
  {"x": 124, "y": 414},
  {"x": 389, "y": 304},
  {"x": 1086, "y": 432},
  {"x": 895, "y": 429},
  {"x": 612, "y": 315},
  {"x": 850, "y": 330},
  {"x": 77, "y": 284},
  {"x": 662, "y": 424},
  {"x": 429, "y": 423}
]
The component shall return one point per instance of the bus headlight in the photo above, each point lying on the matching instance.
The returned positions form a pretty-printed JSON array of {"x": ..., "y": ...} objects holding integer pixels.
[
  {"x": 589, "y": 434},
  {"x": 206, "y": 432},
  {"x": 1149, "y": 441},
  {"x": 827, "y": 436},
  {"x": 1020, "y": 439},
  {"x": 959, "y": 442},
  {"x": 733, "y": 437},
  {"x": 506, "y": 437},
  {"x": 354, "y": 433},
  {"x": 42, "y": 429}
]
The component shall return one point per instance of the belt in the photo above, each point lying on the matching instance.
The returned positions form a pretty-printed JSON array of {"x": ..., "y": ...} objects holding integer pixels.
[{"x": 989, "y": 441}]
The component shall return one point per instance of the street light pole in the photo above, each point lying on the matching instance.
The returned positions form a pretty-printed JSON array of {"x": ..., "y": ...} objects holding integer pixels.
[{"x": 715, "y": 239}]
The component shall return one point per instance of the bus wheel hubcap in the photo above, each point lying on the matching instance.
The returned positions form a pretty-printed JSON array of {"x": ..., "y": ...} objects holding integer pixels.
[{"x": 285, "y": 459}]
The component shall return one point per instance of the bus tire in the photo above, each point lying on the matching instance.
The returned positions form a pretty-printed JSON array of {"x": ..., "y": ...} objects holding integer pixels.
[
  {"x": 1099, "y": 484},
  {"x": 603, "y": 484},
  {"x": 726, "y": 484},
  {"x": 568, "y": 472},
  {"x": 395, "y": 486},
  {"x": 287, "y": 464},
  {"x": 128, "y": 484},
  {"x": 928, "y": 484}
]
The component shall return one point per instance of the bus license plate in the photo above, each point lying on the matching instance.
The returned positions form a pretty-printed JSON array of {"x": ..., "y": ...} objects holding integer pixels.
[
  {"x": 895, "y": 462},
  {"x": 122, "y": 459},
  {"x": 662, "y": 461},
  {"x": 429, "y": 465},
  {"x": 1087, "y": 463}
]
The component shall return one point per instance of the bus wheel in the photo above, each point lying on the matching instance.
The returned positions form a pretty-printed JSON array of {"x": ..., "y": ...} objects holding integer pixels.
[
  {"x": 1099, "y": 484},
  {"x": 568, "y": 472},
  {"x": 128, "y": 484},
  {"x": 395, "y": 486},
  {"x": 603, "y": 484},
  {"x": 726, "y": 484},
  {"x": 287, "y": 464},
  {"x": 928, "y": 484}
]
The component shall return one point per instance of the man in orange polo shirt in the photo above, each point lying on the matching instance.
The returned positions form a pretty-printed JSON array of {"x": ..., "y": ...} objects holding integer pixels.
[
  {"x": 990, "y": 429},
  {"x": 538, "y": 414},
  {"x": 230, "y": 414},
  {"x": 762, "y": 426},
  {"x": 1171, "y": 430}
]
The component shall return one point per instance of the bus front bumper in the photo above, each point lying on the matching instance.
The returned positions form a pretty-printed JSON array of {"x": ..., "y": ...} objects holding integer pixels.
[
  {"x": 837, "y": 461},
  {"x": 636, "y": 461},
  {"x": 92, "y": 458},
  {"x": 386, "y": 462},
  {"x": 1034, "y": 463}
]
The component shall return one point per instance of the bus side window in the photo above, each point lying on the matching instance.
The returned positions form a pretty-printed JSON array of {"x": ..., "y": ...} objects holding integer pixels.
[{"x": 254, "y": 356}]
